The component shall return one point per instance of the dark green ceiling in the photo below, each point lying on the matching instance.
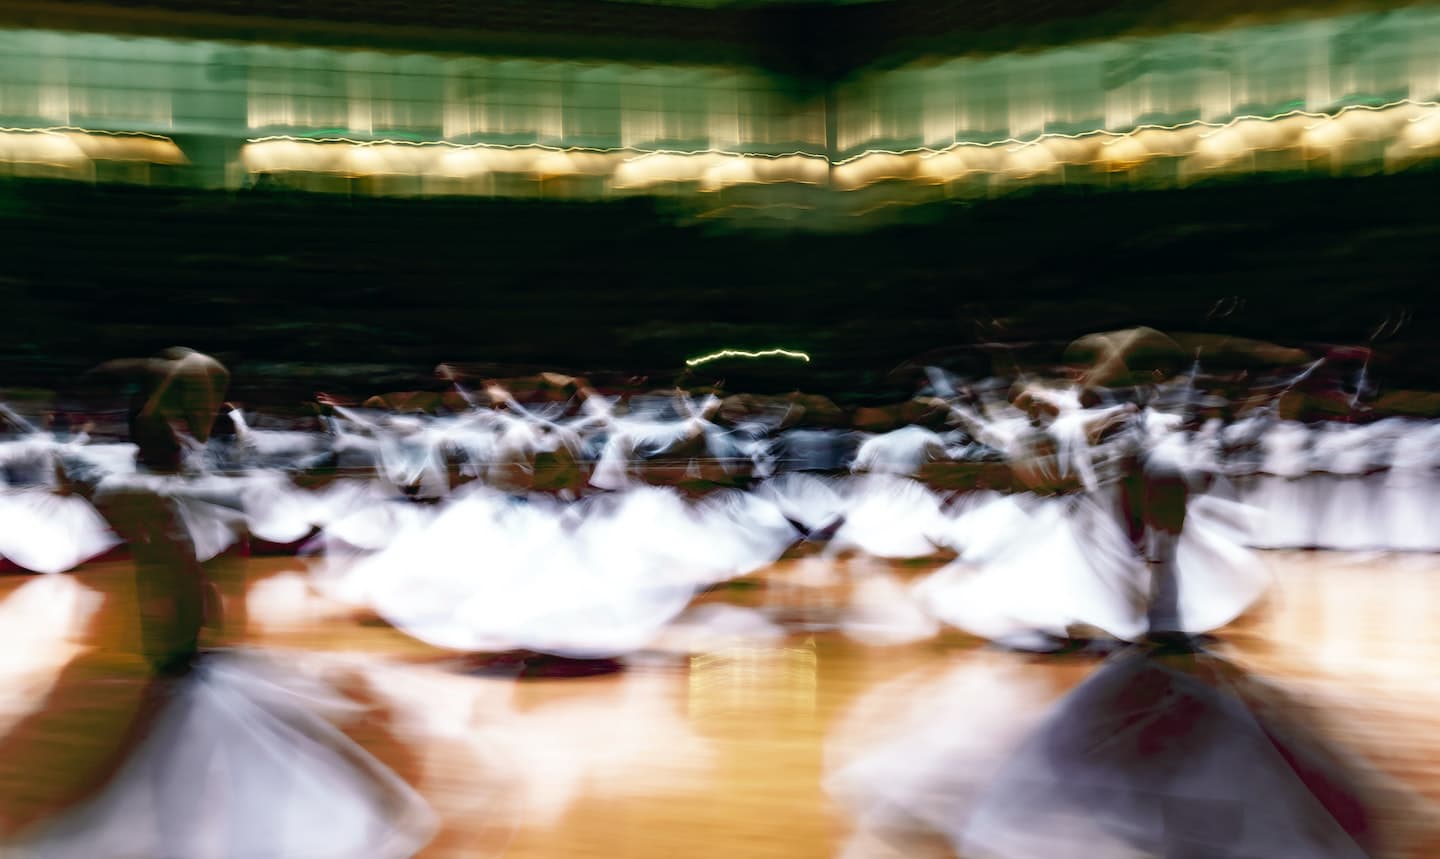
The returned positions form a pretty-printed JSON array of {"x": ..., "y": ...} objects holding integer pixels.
[{"x": 807, "y": 39}]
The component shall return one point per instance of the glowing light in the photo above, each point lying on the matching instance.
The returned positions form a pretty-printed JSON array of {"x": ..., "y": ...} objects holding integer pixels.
[
  {"x": 71, "y": 147},
  {"x": 1210, "y": 144},
  {"x": 42, "y": 150},
  {"x": 1032, "y": 160},
  {"x": 740, "y": 353},
  {"x": 627, "y": 168},
  {"x": 1422, "y": 131},
  {"x": 1201, "y": 146},
  {"x": 1099, "y": 133},
  {"x": 75, "y": 129},
  {"x": 1125, "y": 154},
  {"x": 441, "y": 144},
  {"x": 637, "y": 154}
]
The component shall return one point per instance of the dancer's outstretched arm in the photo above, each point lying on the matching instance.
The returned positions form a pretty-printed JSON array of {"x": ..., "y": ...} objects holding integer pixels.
[
  {"x": 988, "y": 431},
  {"x": 13, "y": 417},
  {"x": 348, "y": 414},
  {"x": 448, "y": 373}
]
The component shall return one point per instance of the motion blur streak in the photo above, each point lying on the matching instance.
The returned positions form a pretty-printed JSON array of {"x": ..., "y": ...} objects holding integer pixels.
[{"x": 1337, "y": 94}]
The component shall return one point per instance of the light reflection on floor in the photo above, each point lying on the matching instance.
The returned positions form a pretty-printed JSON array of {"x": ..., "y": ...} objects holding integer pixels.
[{"x": 719, "y": 753}]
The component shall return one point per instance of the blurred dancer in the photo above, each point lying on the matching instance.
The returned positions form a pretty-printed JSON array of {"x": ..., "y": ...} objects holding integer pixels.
[
  {"x": 1166, "y": 750},
  {"x": 172, "y": 518},
  {"x": 1201, "y": 575},
  {"x": 46, "y": 525},
  {"x": 1109, "y": 534},
  {"x": 229, "y": 757},
  {"x": 1042, "y": 563}
]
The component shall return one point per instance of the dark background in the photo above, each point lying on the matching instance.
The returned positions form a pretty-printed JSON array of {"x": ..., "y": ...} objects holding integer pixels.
[
  {"x": 308, "y": 292},
  {"x": 811, "y": 41}
]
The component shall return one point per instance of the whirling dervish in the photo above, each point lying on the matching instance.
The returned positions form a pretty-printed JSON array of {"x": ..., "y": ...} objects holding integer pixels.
[
  {"x": 218, "y": 723},
  {"x": 1097, "y": 540},
  {"x": 1163, "y": 735},
  {"x": 47, "y": 525}
]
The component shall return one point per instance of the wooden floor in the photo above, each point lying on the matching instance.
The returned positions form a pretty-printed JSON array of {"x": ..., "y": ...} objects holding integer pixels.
[{"x": 718, "y": 754}]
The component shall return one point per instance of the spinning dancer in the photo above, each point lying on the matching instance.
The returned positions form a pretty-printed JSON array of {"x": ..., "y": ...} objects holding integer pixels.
[
  {"x": 230, "y": 760},
  {"x": 1166, "y": 750},
  {"x": 45, "y": 525},
  {"x": 1108, "y": 536}
]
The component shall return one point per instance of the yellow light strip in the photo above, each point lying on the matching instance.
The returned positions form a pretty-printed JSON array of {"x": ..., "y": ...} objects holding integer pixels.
[
  {"x": 925, "y": 152},
  {"x": 1204, "y": 146},
  {"x": 639, "y": 154},
  {"x": 931, "y": 152},
  {"x": 798, "y": 153},
  {"x": 444, "y": 144},
  {"x": 75, "y": 129},
  {"x": 72, "y": 148},
  {"x": 739, "y": 353}
]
